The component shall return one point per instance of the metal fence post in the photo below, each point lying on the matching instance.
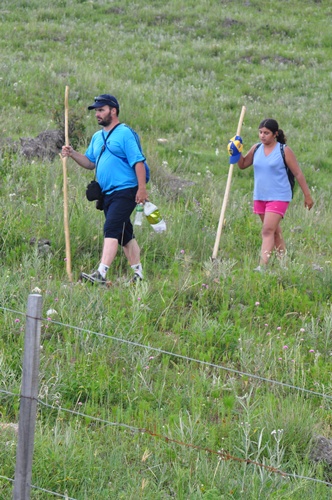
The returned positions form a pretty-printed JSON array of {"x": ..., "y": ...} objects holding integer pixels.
[{"x": 28, "y": 402}]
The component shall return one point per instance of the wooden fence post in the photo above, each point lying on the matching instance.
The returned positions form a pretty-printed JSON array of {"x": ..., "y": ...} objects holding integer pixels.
[{"x": 28, "y": 402}]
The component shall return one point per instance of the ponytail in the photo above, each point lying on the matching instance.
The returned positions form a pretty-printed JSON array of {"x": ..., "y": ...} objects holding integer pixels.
[{"x": 272, "y": 125}]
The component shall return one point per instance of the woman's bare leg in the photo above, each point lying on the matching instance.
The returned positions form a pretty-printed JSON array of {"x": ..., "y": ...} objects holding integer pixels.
[{"x": 271, "y": 236}]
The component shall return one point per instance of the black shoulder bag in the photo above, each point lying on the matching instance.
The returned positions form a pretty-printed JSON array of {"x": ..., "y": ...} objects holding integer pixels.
[{"x": 93, "y": 190}]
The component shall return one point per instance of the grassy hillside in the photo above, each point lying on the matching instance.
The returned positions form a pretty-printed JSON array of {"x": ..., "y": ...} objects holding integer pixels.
[{"x": 175, "y": 355}]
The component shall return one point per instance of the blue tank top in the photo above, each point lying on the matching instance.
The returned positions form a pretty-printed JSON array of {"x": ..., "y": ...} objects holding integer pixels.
[{"x": 270, "y": 176}]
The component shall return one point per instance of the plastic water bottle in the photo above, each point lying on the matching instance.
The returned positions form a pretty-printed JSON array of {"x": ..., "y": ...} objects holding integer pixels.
[
  {"x": 154, "y": 218},
  {"x": 139, "y": 214}
]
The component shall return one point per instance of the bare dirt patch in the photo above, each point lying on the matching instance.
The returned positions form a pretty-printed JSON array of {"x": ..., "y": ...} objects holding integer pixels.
[{"x": 46, "y": 146}]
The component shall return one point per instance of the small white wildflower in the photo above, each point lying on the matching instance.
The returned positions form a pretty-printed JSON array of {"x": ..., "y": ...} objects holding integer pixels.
[
  {"x": 36, "y": 290},
  {"x": 51, "y": 311}
]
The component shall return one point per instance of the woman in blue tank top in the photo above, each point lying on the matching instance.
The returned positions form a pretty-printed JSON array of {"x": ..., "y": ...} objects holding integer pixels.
[{"x": 272, "y": 189}]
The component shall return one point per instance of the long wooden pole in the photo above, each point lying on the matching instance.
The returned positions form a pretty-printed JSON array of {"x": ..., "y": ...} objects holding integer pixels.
[
  {"x": 65, "y": 192},
  {"x": 226, "y": 195}
]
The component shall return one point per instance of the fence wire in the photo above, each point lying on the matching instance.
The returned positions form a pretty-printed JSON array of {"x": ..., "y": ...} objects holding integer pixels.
[{"x": 222, "y": 454}]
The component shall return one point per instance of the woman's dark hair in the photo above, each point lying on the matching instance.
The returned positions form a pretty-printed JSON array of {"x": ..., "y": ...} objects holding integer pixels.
[{"x": 272, "y": 125}]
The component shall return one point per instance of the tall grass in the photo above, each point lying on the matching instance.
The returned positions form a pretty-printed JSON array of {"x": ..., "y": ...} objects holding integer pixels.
[{"x": 181, "y": 71}]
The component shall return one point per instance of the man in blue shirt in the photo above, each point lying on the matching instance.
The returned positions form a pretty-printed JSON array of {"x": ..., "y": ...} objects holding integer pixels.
[{"x": 120, "y": 171}]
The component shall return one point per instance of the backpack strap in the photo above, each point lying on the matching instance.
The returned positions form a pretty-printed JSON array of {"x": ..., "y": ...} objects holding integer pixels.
[
  {"x": 137, "y": 139},
  {"x": 138, "y": 142},
  {"x": 282, "y": 151},
  {"x": 104, "y": 146},
  {"x": 257, "y": 146},
  {"x": 290, "y": 174}
]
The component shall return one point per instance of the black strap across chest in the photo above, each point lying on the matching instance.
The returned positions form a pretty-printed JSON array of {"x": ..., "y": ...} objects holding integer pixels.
[{"x": 104, "y": 146}]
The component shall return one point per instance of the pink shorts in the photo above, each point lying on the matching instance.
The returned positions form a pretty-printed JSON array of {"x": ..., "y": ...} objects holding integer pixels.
[{"x": 278, "y": 207}]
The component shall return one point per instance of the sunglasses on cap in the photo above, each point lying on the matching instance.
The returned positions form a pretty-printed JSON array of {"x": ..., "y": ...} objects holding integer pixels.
[{"x": 105, "y": 100}]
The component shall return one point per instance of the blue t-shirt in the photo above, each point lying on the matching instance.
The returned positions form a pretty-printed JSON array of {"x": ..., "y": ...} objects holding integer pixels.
[
  {"x": 116, "y": 165},
  {"x": 270, "y": 176}
]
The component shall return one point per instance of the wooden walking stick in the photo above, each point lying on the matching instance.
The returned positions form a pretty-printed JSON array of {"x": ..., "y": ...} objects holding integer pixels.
[
  {"x": 225, "y": 200},
  {"x": 65, "y": 193}
]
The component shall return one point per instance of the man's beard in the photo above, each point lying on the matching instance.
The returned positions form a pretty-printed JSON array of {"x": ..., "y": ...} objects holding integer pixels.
[{"x": 106, "y": 121}]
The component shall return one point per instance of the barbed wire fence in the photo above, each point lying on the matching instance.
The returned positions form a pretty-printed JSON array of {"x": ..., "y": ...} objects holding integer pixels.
[{"x": 28, "y": 398}]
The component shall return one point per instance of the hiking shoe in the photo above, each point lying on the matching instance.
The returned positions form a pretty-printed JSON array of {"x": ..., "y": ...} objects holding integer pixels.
[
  {"x": 95, "y": 278},
  {"x": 135, "y": 279}
]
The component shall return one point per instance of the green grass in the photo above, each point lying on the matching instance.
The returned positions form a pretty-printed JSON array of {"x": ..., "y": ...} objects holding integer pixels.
[{"x": 181, "y": 71}]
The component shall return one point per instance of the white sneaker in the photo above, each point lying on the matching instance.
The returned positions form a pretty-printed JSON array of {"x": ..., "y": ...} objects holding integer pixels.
[
  {"x": 95, "y": 278},
  {"x": 135, "y": 279}
]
